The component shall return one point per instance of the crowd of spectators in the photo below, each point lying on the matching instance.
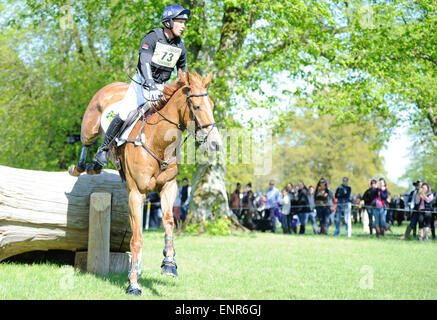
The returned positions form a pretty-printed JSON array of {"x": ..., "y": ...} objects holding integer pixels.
[{"x": 294, "y": 206}]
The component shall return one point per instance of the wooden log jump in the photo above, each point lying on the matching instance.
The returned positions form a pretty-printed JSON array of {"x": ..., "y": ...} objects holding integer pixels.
[{"x": 51, "y": 211}]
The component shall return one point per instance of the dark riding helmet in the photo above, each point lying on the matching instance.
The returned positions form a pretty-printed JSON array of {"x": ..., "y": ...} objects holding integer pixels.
[{"x": 174, "y": 12}]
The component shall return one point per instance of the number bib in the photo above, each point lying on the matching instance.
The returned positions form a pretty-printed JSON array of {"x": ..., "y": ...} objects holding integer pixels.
[{"x": 166, "y": 55}]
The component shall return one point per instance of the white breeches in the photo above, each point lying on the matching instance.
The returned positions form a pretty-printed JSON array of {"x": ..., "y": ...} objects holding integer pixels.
[{"x": 135, "y": 96}]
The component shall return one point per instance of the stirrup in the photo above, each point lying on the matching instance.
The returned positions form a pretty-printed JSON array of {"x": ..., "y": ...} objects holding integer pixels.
[{"x": 101, "y": 154}]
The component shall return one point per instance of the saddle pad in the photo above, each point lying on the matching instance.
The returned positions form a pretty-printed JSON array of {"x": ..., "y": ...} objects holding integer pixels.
[{"x": 108, "y": 115}]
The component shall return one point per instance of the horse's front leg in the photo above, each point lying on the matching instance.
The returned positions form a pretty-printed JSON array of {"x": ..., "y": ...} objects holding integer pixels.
[
  {"x": 168, "y": 196},
  {"x": 136, "y": 200}
]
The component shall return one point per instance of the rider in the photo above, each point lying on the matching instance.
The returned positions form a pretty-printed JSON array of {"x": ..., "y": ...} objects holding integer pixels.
[{"x": 160, "y": 51}]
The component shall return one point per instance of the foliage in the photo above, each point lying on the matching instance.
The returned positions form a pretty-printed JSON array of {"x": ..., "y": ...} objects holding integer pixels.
[
  {"x": 359, "y": 62},
  {"x": 423, "y": 157},
  {"x": 218, "y": 226}
]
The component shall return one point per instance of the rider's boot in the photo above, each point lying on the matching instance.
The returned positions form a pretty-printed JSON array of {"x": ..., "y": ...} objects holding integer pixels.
[{"x": 101, "y": 156}]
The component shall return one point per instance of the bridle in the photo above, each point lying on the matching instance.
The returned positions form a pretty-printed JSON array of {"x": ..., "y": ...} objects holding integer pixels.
[
  {"x": 164, "y": 163},
  {"x": 198, "y": 126}
]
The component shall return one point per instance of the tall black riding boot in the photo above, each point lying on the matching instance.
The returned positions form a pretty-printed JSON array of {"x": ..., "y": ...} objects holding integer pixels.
[{"x": 101, "y": 156}]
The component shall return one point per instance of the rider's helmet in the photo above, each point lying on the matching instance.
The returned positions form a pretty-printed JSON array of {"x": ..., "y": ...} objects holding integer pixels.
[{"x": 174, "y": 12}]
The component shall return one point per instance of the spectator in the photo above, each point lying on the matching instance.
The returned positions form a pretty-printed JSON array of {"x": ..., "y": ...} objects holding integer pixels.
[
  {"x": 399, "y": 213},
  {"x": 293, "y": 209},
  {"x": 434, "y": 215},
  {"x": 248, "y": 206},
  {"x": 332, "y": 204},
  {"x": 235, "y": 201},
  {"x": 272, "y": 203},
  {"x": 284, "y": 200},
  {"x": 423, "y": 206},
  {"x": 155, "y": 216},
  {"x": 367, "y": 201},
  {"x": 321, "y": 200},
  {"x": 312, "y": 214},
  {"x": 356, "y": 209},
  {"x": 379, "y": 202},
  {"x": 391, "y": 207},
  {"x": 303, "y": 206},
  {"x": 185, "y": 193},
  {"x": 343, "y": 194},
  {"x": 414, "y": 216},
  {"x": 259, "y": 205}
]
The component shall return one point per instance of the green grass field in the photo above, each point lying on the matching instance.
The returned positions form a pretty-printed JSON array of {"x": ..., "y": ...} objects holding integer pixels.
[{"x": 250, "y": 266}]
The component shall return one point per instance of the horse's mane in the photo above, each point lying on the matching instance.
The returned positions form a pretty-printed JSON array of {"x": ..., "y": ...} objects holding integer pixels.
[{"x": 169, "y": 91}]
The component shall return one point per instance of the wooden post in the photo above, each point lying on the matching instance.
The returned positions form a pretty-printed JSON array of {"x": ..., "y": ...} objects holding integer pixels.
[{"x": 99, "y": 233}]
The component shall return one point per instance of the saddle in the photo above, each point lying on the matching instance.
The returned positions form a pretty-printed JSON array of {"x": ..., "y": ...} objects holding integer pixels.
[{"x": 121, "y": 137}]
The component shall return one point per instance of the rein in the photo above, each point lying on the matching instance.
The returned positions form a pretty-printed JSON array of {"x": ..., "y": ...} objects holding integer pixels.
[{"x": 165, "y": 163}]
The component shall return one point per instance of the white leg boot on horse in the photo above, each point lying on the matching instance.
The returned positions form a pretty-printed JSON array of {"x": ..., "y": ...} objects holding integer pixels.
[{"x": 168, "y": 197}]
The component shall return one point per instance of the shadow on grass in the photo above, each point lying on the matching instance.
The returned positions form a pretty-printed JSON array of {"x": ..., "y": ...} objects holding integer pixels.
[{"x": 146, "y": 282}]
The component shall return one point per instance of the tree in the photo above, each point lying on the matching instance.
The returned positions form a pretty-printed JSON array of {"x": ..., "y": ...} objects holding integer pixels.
[
  {"x": 244, "y": 43},
  {"x": 384, "y": 60}
]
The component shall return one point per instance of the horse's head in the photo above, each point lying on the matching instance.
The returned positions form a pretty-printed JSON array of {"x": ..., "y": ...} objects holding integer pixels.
[{"x": 198, "y": 112}]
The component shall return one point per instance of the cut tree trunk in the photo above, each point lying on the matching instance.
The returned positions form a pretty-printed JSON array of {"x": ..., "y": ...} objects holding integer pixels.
[
  {"x": 49, "y": 210},
  {"x": 209, "y": 199}
]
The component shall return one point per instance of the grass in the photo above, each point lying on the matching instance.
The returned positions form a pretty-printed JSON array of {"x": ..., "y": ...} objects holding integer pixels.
[{"x": 250, "y": 266}]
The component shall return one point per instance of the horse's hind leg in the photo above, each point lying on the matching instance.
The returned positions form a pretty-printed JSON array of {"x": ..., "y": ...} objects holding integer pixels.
[
  {"x": 168, "y": 197},
  {"x": 76, "y": 170}
]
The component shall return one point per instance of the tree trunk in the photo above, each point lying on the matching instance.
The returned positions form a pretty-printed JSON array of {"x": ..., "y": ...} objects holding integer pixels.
[
  {"x": 49, "y": 210},
  {"x": 208, "y": 196},
  {"x": 209, "y": 199}
]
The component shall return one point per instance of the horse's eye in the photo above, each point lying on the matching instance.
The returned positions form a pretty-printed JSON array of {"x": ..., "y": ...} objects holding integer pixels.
[{"x": 196, "y": 107}]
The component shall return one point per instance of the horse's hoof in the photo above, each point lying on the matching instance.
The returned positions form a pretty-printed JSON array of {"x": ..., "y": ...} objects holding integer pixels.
[
  {"x": 134, "y": 289},
  {"x": 169, "y": 270},
  {"x": 74, "y": 170},
  {"x": 91, "y": 169}
]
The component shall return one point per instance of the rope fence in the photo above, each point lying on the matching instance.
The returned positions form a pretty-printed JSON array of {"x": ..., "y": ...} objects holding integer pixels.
[{"x": 352, "y": 205}]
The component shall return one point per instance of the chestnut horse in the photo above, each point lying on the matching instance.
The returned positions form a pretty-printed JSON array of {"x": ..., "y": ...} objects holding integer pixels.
[{"x": 149, "y": 163}]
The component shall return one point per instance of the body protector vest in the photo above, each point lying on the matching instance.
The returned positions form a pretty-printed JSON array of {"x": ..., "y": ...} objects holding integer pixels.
[{"x": 159, "y": 56}]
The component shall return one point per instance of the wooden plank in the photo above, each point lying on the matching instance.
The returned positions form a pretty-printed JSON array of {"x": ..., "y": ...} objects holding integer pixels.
[
  {"x": 118, "y": 261},
  {"x": 99, "y": 232}
]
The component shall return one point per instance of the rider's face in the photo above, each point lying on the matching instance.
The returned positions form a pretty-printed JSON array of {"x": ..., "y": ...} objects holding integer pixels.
[{"x": 178, "y": 27}]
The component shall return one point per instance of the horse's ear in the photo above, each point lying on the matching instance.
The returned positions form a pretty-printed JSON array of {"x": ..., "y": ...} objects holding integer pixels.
[
  {"x": 207, "y": 80},
  {"x": 182, "y": 76}
]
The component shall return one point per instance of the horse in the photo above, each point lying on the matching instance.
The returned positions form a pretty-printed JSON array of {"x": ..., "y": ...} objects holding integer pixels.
[{"x": 185, "y": 105}]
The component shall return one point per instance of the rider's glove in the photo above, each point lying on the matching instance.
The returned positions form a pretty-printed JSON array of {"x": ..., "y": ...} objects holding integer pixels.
[{"x": 153, "y": 91}]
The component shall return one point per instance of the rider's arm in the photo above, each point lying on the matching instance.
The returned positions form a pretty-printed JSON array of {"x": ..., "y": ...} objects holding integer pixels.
[
  {"x": 147, "y": 48},
  {"x": 182, "y": 62}
]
